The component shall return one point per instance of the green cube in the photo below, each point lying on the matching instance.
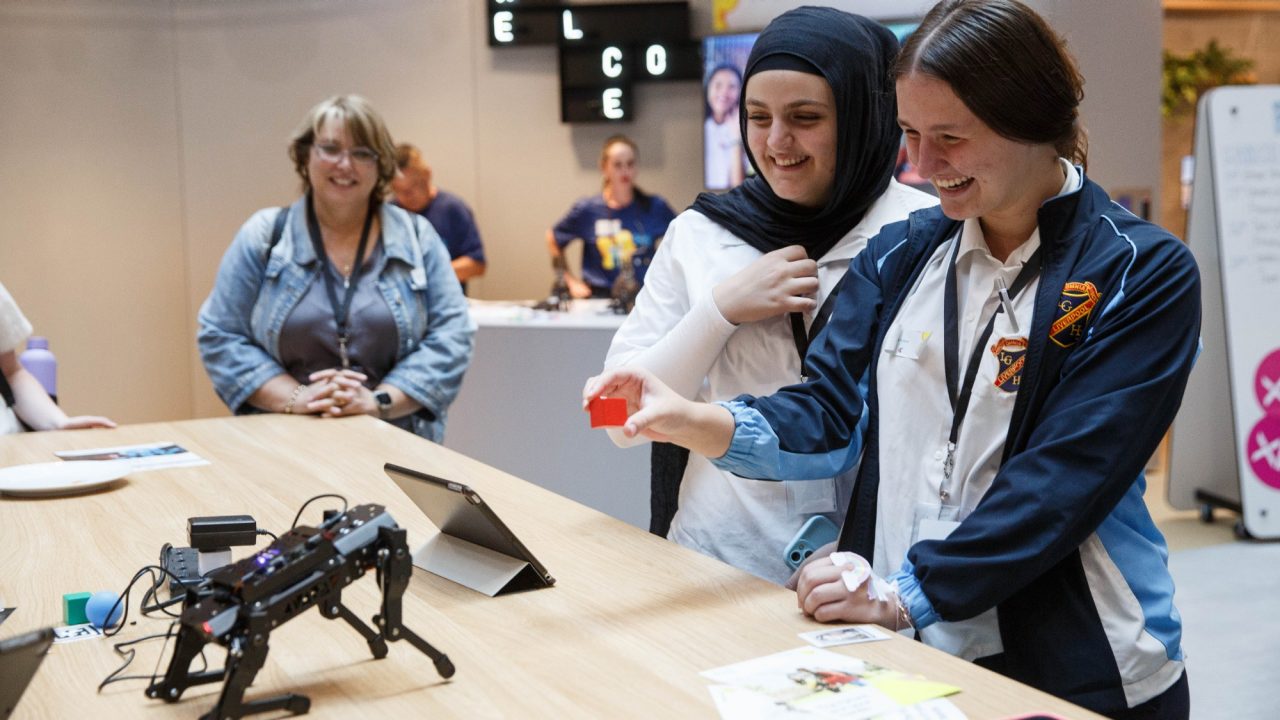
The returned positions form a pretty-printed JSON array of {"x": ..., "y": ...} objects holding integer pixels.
[{"x": 73, "y": 608}]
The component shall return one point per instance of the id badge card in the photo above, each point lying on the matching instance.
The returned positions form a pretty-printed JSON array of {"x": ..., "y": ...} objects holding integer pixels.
[
  {"x": 934, "y": 521},
  {"x": 908, "y": 344},
  {"x": 931, "y": 529}
]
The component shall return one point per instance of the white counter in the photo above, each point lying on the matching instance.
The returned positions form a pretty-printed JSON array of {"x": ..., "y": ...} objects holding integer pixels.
[{"x": 520, "y": 406}]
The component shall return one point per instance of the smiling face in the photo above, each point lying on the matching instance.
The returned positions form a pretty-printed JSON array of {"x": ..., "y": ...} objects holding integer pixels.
[
  {"x": 791, "y": 131},
  {"x": 346, "y": 180},
  {"x": 977, "y": 173},
  {"x": 723, "y": 93}
]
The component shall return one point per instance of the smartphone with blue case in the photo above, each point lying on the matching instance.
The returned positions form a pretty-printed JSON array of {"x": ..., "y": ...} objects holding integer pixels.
[{"x": 816, "y": 532}]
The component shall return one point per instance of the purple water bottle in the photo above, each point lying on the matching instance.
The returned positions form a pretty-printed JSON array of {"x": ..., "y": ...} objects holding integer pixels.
[{"x": 40, "y": 362}]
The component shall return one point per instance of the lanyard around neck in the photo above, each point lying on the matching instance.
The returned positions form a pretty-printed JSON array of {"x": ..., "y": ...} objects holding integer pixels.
[
  {"x": 803, "y": 339},
  {"x": 341, "y": 312},
  {"x": 959, "y": 397}
]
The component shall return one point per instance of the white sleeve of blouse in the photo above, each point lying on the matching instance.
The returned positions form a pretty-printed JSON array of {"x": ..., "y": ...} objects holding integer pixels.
[
  {"x": 667, "y": 335},
  {"x": 14, "y": 327}
]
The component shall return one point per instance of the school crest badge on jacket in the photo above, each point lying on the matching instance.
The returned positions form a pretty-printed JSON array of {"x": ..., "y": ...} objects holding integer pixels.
[{"x": 1074, "y": 308}]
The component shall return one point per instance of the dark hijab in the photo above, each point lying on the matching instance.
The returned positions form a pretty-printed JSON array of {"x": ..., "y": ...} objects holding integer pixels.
[{"x": 854, "y": 55}]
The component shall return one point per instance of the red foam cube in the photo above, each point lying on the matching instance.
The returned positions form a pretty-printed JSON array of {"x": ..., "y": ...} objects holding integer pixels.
[{"x": 608, "y": 412}]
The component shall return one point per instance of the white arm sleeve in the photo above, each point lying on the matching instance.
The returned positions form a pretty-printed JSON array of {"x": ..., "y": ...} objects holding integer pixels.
[{"x": 664, "y": 334}]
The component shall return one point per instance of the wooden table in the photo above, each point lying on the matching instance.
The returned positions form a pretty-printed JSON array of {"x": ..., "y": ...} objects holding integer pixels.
[{"x": 624, "y": 633}]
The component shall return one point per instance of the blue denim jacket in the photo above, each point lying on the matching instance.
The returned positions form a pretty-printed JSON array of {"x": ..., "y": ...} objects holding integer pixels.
[{"x": 240, "y": 322}]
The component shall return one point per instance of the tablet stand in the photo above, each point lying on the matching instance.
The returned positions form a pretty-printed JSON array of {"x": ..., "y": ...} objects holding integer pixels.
[{"x": 475, "y": 566}]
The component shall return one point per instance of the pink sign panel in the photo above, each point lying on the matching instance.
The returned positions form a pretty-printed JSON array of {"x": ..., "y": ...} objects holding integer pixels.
[
  {"x": 1266, "y": 383},
  {"x": 1263, "y": 450}
]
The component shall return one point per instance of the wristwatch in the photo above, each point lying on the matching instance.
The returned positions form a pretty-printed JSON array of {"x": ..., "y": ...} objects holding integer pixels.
[{"x": 383, "y": 398}]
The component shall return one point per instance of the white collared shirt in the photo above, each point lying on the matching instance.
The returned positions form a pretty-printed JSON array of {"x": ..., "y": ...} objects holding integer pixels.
[{"x": 915, "y": 500}]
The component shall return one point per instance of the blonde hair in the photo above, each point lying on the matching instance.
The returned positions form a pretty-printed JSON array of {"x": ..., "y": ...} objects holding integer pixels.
[{"x": 366, "y": 127}]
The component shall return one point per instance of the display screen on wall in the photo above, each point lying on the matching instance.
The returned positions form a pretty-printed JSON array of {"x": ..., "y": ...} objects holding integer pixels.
[
  {"x": 603, "y": 48},
  {"x": 724, "y": 57},
  {"x": 595, "y": 80}
]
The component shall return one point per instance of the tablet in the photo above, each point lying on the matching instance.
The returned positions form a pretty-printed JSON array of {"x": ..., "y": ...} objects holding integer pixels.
[
  {"x": 460, "y": 512},
  {"x": 19, "y": 658}
]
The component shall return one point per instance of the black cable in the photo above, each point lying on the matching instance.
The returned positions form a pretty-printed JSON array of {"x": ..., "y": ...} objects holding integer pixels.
[
  {"x": 148, "y": 606},
  {"x": 130, "y": 653},
  {"x": 144, "y": 608},
  {"x": 269, "y": 534},
  {"x": 313, "y": 499}
]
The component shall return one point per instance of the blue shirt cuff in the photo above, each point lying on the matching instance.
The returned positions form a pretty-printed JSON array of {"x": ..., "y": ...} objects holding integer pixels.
[
  {"x": 753, "y": 440},
  {"x": 912, "y": 596}
]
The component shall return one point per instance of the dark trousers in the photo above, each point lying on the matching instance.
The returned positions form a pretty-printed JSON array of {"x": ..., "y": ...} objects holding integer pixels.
[{"x": 1172, "y": 704}]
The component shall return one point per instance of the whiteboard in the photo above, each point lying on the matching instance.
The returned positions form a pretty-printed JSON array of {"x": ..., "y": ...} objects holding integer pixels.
[{"x": 1227, "y": 436}]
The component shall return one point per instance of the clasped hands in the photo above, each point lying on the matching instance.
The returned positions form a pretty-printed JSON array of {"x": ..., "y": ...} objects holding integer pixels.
[
  {"x": 841, "y": 587},
  {"x": 337, "y": 392}
]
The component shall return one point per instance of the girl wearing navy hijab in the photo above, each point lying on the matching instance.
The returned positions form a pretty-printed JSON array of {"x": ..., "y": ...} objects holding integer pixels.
[{"x": 737, "y": 286}]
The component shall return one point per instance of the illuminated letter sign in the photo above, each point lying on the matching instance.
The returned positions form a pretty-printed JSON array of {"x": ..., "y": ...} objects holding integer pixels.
[
  {"x": 570, "y": 32},
  {"x": 502, "y": 26},
  {"x": 655, "y": 60},
  {"x": 612, "y": 98},
  {"x": 611, "y": 62}
]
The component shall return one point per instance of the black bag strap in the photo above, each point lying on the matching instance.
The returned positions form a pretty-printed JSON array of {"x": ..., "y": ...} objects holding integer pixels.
[
  {"x": 666, "y": 469},
  {"x": 6, "y": 391},
  {"x": 277, "y": 230}
]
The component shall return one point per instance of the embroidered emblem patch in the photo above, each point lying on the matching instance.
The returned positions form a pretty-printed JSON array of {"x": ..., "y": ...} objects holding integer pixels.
[
  {"x": 1011, "y": 354},
  {"x": 1074, "y": 307}
]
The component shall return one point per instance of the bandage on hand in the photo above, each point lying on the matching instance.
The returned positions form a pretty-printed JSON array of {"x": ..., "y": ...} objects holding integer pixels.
[{"x": 878, "y": 590}]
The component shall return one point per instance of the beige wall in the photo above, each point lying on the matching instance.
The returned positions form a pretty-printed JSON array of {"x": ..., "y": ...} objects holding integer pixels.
[
  {"x": 91, "y": 225},
  {"x": 137, "y": 135}
]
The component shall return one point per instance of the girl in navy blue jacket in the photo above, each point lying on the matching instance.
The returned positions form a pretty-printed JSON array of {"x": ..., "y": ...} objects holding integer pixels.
[{"x": 1005, "y": 365}]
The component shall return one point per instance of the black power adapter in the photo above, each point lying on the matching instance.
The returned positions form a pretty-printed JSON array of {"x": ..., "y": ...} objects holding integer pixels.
[
  {"x": 219, "y": 532},
  {"x": 211, "y": 540}
]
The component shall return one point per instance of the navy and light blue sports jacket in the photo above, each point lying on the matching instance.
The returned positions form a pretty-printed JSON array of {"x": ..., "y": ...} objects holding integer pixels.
[{"x": 1062, "y": 544}]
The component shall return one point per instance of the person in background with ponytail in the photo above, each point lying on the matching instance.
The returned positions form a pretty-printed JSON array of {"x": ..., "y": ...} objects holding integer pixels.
[{"x": 622, "y": 224}]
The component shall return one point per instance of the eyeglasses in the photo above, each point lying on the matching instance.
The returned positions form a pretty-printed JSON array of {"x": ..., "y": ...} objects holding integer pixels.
[{"x": 334, "y": 154}]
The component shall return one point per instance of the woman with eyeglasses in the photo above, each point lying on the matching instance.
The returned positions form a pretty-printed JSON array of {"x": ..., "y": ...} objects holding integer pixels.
[
  {"x": 1016, "y": 356},
  {"x": 339, "y": 304}
]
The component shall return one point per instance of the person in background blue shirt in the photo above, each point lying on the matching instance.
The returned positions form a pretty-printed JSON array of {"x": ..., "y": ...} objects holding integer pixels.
[
  {"x": 448, "y": 214},
  {"x": 621, "y": 225}
]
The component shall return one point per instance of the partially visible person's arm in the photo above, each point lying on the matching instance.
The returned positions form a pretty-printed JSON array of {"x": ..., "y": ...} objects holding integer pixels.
[
  {"x": 469, "y": 260},
  {"x": 34, "y": 406},
  {"x": 467, "y": 267},
  {"x": 659, "y": 413},
  {"x": 678, "y": 337},
  {"x": 577, "y": 288}
]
